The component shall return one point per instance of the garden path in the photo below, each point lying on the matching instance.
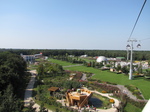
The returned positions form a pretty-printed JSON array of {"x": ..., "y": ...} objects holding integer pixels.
[
  {"x": 126, "y": 91},
  {"x": 28, "y": 93},
  {"x": 83, "y": 77}
]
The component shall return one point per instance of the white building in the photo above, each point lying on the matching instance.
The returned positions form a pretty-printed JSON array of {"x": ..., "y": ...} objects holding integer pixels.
[{"x": 101, "y": 59}]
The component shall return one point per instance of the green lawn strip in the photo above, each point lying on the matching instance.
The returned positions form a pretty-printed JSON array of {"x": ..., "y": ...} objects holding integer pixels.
[
  {"x": 63, "y": 63},
  {"x": 81, "y": 68},
  {"x": 131, "y": 108},
  {"x": 121, "y": 79}
]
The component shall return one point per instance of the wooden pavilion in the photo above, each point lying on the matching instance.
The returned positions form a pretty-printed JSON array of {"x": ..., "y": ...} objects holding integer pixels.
[{"x": 79, "y": 98}]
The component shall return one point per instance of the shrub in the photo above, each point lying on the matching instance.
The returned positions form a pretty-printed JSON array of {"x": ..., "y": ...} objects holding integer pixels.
[{"x": 104, "y": 92}]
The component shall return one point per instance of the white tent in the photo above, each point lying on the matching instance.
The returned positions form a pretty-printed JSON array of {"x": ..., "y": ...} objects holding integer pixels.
[
  {"x": 147, "y": 107},
  {"x": 101, "y": 59}
]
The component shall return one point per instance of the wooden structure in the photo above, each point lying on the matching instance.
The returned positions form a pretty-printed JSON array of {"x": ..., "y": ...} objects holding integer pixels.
[
  {"x": 53, "y": 89},
  {"x": 79, "y": 98}
]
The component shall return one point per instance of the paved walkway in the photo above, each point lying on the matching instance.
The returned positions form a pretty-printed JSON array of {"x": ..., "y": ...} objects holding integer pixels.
[
  {"x": 126, "y": 91},
  {"x": 83, "y": 77},
  {"x": 28, "y": 93}
]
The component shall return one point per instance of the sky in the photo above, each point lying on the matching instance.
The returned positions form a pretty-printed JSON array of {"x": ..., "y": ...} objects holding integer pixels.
[{"x": 73, "y": 24}]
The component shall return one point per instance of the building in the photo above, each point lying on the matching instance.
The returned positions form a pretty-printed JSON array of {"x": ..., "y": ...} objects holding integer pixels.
[
  {"x": 101, "y": 59},
  {"x": 28, "y": 58},
  {"x": 38, "y": 55},
  {"x": 31, "y": 58},
  {"x": 79, "y": 97},
  {"x": 120, "y": 58},
  {"x": 84, "y": 56}
]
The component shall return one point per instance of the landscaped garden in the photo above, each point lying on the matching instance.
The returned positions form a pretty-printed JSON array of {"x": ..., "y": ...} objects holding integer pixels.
[{"x": 54, "y": 77}]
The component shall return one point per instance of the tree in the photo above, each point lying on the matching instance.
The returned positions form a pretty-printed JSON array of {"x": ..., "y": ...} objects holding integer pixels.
[
  {"x": 12, "y": 81},
  {"x": 149, "y": 62},
  {"x": 12, "y": 71},
  {"x": 139, "y": 69},
  {"x": 125, "y": 69},
  {"x": 118, "y": 67},
  {"x": 8, "y": 101},
  {"x": 42, "y": 108},
  {"x": 147, "y": 72},
  {"x": 40, "y": 69}
]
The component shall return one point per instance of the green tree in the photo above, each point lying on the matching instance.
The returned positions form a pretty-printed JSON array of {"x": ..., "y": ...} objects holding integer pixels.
[
  {"x": 149, "y": 62},
  {"x": 8, "y": 101},
  {"x": 40, "y": 69},
  {"x": 42, "y": 108},
  {"x": 125, "y": 69},
  {"x": 118, "y": 67},
  {"x": 139, "y": 69},
  {"x": 12, "y": 71}
]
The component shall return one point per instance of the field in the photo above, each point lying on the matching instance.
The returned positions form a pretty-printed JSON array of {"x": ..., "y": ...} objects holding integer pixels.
[{"x": 121, "y": 79}]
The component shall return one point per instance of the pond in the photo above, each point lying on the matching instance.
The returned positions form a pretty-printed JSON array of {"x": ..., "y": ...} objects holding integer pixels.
[{"x": 95, "y": 102}]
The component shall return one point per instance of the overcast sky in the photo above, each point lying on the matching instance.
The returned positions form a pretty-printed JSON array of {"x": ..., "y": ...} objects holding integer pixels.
[{"x": 73, "y": 24}]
